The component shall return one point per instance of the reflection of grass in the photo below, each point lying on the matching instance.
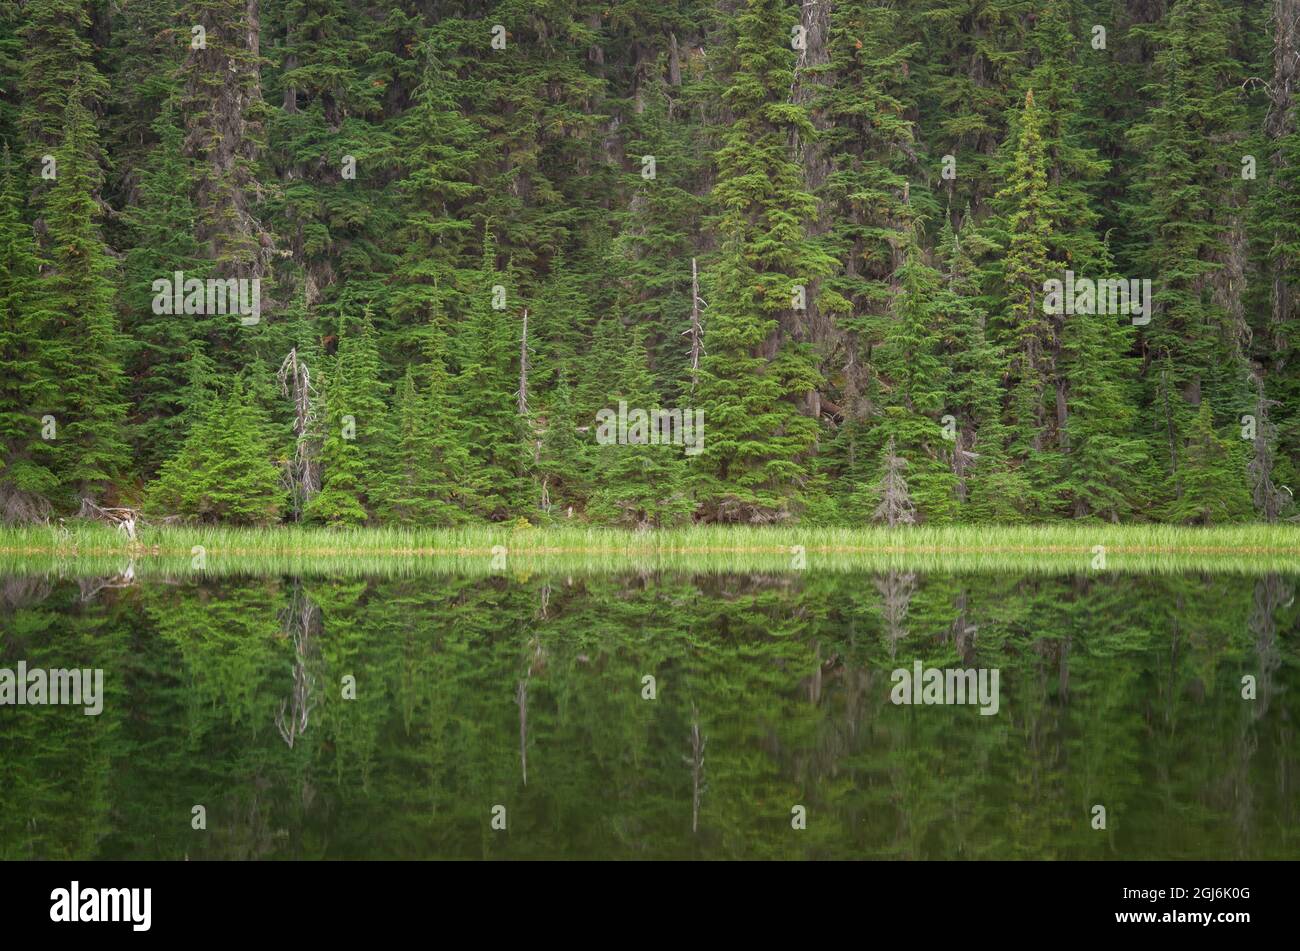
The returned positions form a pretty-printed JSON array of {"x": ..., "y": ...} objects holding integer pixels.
[{"x": 1067, "y": 548}]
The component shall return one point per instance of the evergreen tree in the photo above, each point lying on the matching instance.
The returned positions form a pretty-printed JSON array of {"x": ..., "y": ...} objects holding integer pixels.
[
  {"x": 863, "y": 137},
  {"x": 425, "y": 479},
  {"x": 27, "y": 387},
  {"x": 641, "y": 478},
  {"x": 1213, "y": 488},
  {"x": 598, "y": 376},
  {"x": 1069, "y": 372},
  {"x": 356, "y": 431},
  {"x": 1106, "y": 463},
  {"x": 409, "y": 160},
  {"x": 224, "y": 135},
  {"x": 859, "y": 164},
  {"x": 1276, "y": 220},
  {"x": 562, "y": 465},
  {"x": 966, "y": 90},
  {"x": 57, "y": 65},
  {"x": 223, "y": 471},
  {"x": 650, "y": 258},
  {"x": 11, "y": 67},
  {"x": 990, "y": 486},
  {"x": 1028, "y": 333},
  {"x": 92, "y": 451},
  {"x": 540, "y": 107},
  {"x": 1182, "y": 203},
  {"x": 437, "y": 148},
  {"x": 162, "y": 227},
  {"x": 484, "y": 390},
  {"x": 915, "y": 394},
  {"x": 755, "y": 454}
]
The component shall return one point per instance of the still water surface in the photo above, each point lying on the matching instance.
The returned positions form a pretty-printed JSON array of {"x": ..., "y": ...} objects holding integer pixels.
[{"x": 769, "y": 692}]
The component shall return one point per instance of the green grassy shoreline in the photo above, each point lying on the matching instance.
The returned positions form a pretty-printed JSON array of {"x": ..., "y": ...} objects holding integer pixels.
[{"x": 92, "y": 548}]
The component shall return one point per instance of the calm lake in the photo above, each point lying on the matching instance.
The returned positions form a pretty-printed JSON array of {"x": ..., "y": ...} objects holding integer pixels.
[{"x": 409, "y": 718}]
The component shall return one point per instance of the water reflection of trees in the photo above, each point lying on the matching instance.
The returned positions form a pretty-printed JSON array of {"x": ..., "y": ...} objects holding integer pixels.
[
  {"x": 301, "y": 621},
  {"x": 1124, "y": 692}
]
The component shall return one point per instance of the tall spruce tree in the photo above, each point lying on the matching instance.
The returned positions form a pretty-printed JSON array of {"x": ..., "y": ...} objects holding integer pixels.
[
  {"x": 990, "y": 486},
  {"x": 1027, "y": 333},
  {"x": 562, "y": 465},
  {"x": 437, "y": 149},
  {"x": 224, "y": 471},
  {"x": 914, "y": 391},
  {"x": 57, "y": 64},
  {"x": 426, "y": 468},
  {"x": 162, "y": 226},
  {"x": 357, "y": 428},
  {"x": 1213, "y": 488},
  {"x": 641, "y": 470},
  {"x": 1182, "y": 206},
  {"x": 485, "y": 388},
  {"x": 755, "y": 457},
  {"x": 28, "y": 389},
  {"x": 92, "y": 450}
]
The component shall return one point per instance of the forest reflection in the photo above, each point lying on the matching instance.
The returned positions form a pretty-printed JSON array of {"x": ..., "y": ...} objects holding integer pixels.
[{"x": 768, "y": 691}]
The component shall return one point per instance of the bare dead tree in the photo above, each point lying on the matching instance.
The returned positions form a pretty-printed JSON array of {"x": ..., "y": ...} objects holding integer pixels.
[
  {"x": 696, "y": 330},
  {"x": 301, "y": 622},
  {"x": 696, "y": 762},
  {"x": 89, "y": 587},
  {"x": 301, "y": 474},
  {"x": 535, "y": 663},
  {"x": 1271, "y": 593},
  {"x": 895, "y": 506},
  {"x": 523, "y": 368},
  {"x": 1268, "y": 498},
  {"x": 964, "y": 458},
  {"x": 125, "y": 520},
  {"x": 896, "y": 590},
  {"x": 23, "y": 591},
  {"x": 18, "y": 506},
  {"x": 539, "y": 425},
  {"x": 961, "y": 633},
  {"x": 521, "y": 698}
]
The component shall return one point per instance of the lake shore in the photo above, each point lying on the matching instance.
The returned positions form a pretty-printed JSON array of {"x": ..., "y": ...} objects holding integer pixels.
[{"x": 508, "y": 548}]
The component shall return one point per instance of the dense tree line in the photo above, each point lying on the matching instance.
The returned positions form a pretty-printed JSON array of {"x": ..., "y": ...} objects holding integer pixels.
[{"x": 830, "y": 227}]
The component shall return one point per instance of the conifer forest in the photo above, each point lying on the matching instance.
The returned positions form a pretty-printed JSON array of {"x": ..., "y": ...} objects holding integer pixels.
[{"x": 343, "y": 262}]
